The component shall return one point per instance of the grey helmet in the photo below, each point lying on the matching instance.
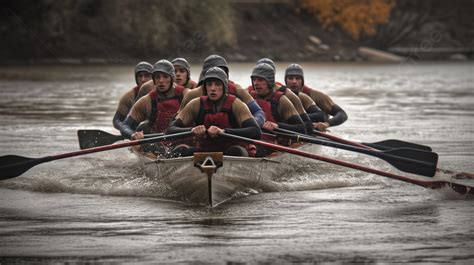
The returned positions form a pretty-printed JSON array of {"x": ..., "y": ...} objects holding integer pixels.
[
  {"x": 142, "y": 67},
  {"x": 216, "y": 73},
  {"x": 267, "y": 61},
  {"x": 294, "y": 69},
  {"x": 164, "y": 66},
  {"x": 213, "y": 61},
  {"x": 265, "y": 71},
  {"x": 183, "y": 63}
]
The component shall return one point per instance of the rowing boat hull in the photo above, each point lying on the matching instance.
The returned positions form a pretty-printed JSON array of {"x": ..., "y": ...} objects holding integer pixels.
[{"x": 232, "y": 175}]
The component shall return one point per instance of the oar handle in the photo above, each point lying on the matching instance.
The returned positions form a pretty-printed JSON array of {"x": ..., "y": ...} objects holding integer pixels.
[{"x": 151, "y": 135}]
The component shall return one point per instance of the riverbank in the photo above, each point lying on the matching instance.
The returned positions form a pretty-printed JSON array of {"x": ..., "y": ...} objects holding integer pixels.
[{"x": 241, "y": 31}]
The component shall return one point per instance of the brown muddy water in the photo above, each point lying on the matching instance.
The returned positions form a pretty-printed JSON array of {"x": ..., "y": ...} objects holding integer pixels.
[{"x": 101, "y": 208}]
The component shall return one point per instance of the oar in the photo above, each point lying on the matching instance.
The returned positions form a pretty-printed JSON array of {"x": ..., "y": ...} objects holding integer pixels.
[
  {"x": 405, "y": 159},
  {"x": 382, "y": 145},
  {"x": 387, "y": 145},
  {"x": 12, "y": 165},
  {"x": 94, "y": 138},
  {"x": 433, "y": 184}
]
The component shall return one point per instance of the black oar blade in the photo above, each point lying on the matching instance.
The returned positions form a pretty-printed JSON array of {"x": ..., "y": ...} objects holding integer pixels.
[
  {"x": 393, "y": 144},
  {"x": 94, "y": 138},
  {"x": 13, "y": 166},
  {"x": 416, "y": 161},
  {"x": 405, "y": 159}
]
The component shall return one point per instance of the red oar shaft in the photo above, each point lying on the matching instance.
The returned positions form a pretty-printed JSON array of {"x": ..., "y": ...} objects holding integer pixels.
[
  {"x": 433, "y": 184},
  {"x": 119, "y": 145},
  {"x": 12, "y": 166}
]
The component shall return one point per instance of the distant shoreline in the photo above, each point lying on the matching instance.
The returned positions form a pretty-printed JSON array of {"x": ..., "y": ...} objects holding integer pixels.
[{"x": 111, "y": 32}]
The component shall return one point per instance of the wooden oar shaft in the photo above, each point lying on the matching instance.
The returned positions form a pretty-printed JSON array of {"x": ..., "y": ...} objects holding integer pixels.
[{"x": 433, "y": 184}]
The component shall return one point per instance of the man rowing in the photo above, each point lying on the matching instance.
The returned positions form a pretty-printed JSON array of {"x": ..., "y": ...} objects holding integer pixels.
[
  {"x": 232, "y": 88},
  {"x": 159, "y": 106},
  {"x": 182, "y": 77},
  {"x": 272, "y": 64},
  {"x": 182, "y": 70},
  {"x": 217, "y": 112},
  {"x": 302, "y": 103},
  {"x": 143, "y": 72},
  {"x": 294, "y": 79},
  {"x": 279, "y": 111}
]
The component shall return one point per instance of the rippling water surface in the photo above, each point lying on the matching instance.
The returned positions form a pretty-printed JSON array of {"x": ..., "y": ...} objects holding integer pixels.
[{"x": 101, "y": 208}]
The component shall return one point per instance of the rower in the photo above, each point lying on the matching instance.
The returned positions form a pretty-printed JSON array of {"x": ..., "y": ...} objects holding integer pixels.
[
  {"x": 310, "y": 107},
  {"x": 279, "y": 111},
  {"x": 272, "y": 64},
  {"x": 182, "y": 70},
  {"x": 159, "y": 106},
  {"x": 182, "y": 77},
  {"x": 233, "y": 88},
  {"x": 333, "y": 114},
  {"x": 269, "y": 62},
  {"x": 213, "y": 114},
  {"x": 142, "y": 74},
  {"x": 302, "y": 103}
]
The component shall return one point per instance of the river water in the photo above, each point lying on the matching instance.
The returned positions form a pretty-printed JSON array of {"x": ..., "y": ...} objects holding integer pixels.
[{"x": 101, "y": 208}]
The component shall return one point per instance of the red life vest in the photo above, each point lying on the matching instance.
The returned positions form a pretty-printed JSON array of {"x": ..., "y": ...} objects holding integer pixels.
[
  {"x": 163, "y": 110},
  {"x": 223, "y": 119},
  {"x": 270, "y": 107},
  {"x": 231, "y": 88}
]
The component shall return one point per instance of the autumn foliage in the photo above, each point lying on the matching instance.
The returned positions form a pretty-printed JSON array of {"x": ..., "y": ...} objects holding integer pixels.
[{"x": 356, "y": 17}]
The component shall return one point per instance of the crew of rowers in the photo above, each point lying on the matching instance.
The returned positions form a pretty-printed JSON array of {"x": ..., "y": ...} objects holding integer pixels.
[{"x": 166, "y": 100}]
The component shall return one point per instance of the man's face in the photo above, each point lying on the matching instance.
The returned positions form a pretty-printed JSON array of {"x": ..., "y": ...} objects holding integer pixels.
[
  {"x": 181, "y": 75},
  {"x": 142, "y": 78},
  {"x": 294, "y": 82},
  {"x": 215, "y": 89},
  {"x": 260, "y": 85},
  {"x": 162, "y": 82}
]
